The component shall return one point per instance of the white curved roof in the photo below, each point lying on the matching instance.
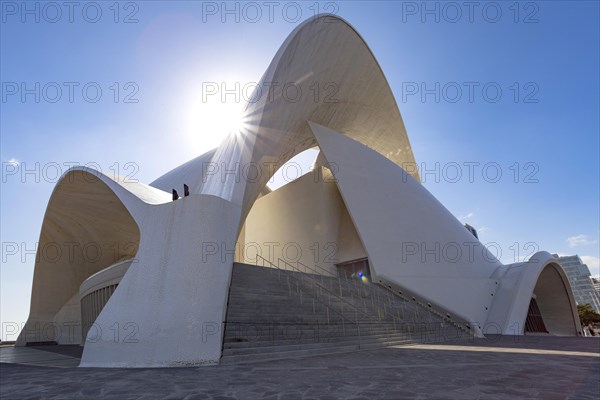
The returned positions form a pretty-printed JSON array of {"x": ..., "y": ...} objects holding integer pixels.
[
  {"x": 332, "y": 78},
  {"x": 190, "y": 173},
  {"x": 342, "y": 93}
]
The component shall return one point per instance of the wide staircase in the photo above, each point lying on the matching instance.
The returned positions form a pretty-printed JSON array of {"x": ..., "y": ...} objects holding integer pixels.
[{"x": 283, "y": 310}]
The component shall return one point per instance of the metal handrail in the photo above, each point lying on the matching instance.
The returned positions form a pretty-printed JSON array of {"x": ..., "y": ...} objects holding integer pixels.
[
  {"x": 340, "y": 298},
  {"x": 396, "y": 301},
  {"x": 399, "y": 323},
  {"x": 427, "y": 307},
  {"x": 391, "y": 297},
  {"x": 350, "y": 285},
  {"x": 328, "y": 306},
  {"x": 389, "y": 303}
]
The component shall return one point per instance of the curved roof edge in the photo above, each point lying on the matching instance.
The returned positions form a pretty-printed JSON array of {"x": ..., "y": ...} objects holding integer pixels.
[
  {"x": 517, "y": 284},
  {"x": 324, "y": 50}
]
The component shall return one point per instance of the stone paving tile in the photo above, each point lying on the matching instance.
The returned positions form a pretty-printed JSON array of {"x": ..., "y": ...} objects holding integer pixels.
[{"x": 393, "y": 373}]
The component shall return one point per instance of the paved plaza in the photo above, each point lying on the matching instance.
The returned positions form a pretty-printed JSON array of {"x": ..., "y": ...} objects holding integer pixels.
[{"x": 499, "y": 368}]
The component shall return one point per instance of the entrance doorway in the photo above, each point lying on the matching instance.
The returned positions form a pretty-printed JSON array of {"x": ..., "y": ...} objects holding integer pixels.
[{"x": 358, "y": 269}]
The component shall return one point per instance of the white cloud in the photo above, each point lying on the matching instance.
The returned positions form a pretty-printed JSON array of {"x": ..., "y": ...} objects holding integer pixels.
[
  {"x": 469, "y": 215},
  {"x": 580, "y": 240},
  {"x": 593, "y": 264},
  {"x": 591, "y": 261},
  {"x": 13, "y": 161}
]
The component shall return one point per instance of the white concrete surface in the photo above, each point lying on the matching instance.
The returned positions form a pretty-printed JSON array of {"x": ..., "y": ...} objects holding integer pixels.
[
  {"x": 415, "y": 242},
  {"x": 88, "y": 226},
  {"x": 354, "y": 98},
  {"x": 304, "y": 221},
  {"x": 169, "y": 307},
  {"x": 108, "y": 276},
  {"x": 543, "y": 277}
]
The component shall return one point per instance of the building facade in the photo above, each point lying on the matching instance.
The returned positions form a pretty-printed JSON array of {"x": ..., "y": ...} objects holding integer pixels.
[
  {"x": 157, "y": 280},
  {"x": 581, "y": 282},
  {"x": 596, "y": 283}
]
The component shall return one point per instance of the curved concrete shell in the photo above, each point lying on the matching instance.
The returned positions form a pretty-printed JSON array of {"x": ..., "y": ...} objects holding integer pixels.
[
  {"x": 325, "y": 73},
  {"x": 87, "y": 227},
  {"x": 323, "y": 88},
  {"x": 540, "y": 277}
]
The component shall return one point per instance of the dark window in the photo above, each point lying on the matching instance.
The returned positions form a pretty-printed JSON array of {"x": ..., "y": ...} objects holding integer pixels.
[{"x": 534, "y": 321}]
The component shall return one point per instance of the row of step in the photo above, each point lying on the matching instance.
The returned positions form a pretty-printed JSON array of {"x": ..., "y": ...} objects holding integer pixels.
[{"x": 275, "y": 314}]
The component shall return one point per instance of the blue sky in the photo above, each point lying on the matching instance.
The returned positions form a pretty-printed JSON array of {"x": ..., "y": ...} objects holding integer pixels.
[{"x": 503, "y": 87}]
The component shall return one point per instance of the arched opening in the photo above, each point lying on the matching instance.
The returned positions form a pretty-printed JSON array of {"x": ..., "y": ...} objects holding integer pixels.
[
  {"x": 86, "y": 228},
  {"x": 534, "y": 322},
  {"x": 555, "y": 305},
  {"x": 303, "y": 222}
]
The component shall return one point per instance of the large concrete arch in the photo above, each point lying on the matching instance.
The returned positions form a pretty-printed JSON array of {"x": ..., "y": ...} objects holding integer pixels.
[
  {"x": 170, "y": 305},
  {"x": 556, "y": 302},
  {"x": 86, "y": 228},
  {"x": 324, "y": 54},
  {"x": 172, "y": 294},
  {"x": 320, "y": 51},
  {"x": 173, "y": 298},
  {"x": 543, "y": 277}
]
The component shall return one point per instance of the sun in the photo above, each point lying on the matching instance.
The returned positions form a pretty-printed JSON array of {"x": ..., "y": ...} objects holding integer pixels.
[{"x": 209, "y": 119}]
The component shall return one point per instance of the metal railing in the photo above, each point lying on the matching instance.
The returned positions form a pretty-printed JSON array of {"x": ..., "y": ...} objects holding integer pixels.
[
  {"x": 385, "y": 309},
  {"x": 380, "y": 307},
  {"x": 409, "y": 314},
  {"x": 317, "y": 281},
  {"x": 356, "y": 303},
  {"x": 395, "y": 307},
  {"x": 443, "y": 316},
  {"x": 316, "y": 294}
]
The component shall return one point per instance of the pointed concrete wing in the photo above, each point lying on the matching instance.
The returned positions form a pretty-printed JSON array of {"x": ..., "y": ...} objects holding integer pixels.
[{"x": 416, "y": 244}]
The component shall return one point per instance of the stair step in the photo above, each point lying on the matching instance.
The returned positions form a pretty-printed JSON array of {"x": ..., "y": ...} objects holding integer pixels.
[
  {"x": 291, "y": 338},
  {"x": 317, "y": 345},
  {"x": 313, "y": 339},
  {"x": 250, "y": 358},
  {"x": 261, "y": 357},
  {"x": 274, "y": 315}
]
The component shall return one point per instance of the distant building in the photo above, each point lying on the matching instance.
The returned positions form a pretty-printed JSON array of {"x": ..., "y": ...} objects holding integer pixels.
[
  {"x": 596, "y": 283},
  {"x": 584, "y": 289}
]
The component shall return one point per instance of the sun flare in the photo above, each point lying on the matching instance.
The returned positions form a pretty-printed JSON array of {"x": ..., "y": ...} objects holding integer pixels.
[{"x": 209, "y": 119}]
